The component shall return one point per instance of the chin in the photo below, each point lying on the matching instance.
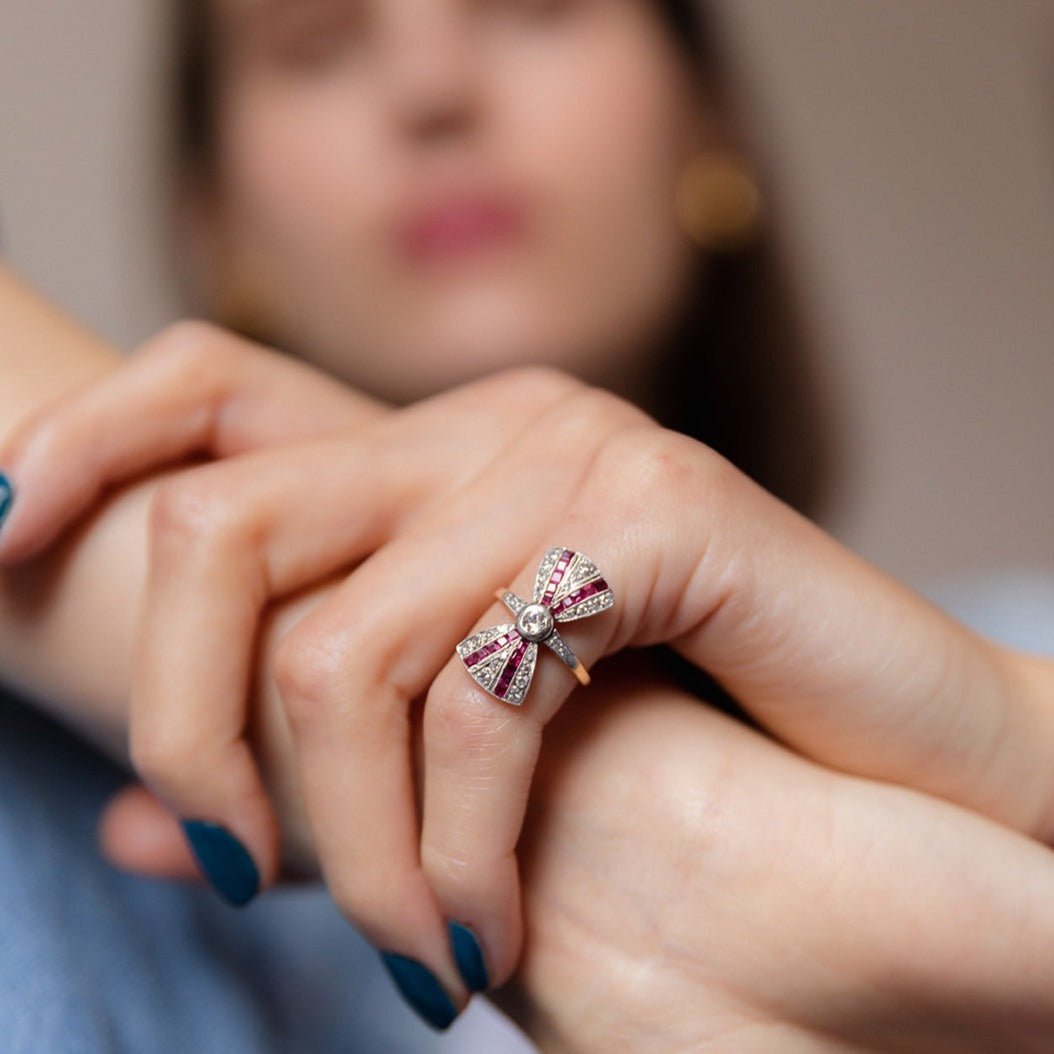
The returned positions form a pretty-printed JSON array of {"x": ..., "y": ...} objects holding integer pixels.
[
  {"x": 448, "y": 363},
  {"x": 444, "y": 344},
  {"x": 417, "y": 377},
  {"x": 446, "y": 358},
  {"x": 496, "y": 328}
]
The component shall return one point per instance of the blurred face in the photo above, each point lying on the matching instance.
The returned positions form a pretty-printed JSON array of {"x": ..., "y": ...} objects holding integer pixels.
[{"x": 440, "y": 188}]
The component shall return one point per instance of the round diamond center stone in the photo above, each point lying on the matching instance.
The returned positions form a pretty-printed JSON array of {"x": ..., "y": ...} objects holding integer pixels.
[{"x": 535, "y": 622}]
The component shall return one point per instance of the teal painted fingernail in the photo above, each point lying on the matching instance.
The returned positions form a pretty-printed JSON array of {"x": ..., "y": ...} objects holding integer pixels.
[
  {"x": 7, "y": 495},
  {"x": 225, "y": 862},
  {"x": 420, "y": 989},
  {"x": 469, "y": 956}
]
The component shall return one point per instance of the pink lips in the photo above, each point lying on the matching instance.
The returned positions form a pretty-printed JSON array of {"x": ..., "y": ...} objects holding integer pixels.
[{"x": 458, "y": 226}]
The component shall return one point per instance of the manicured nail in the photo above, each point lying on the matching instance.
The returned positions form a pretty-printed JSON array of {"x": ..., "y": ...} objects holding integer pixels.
[
  {"x": 469, "y": 956},
  {"x": 7, "y": 495},
  {"x": 420, "y": 989},
  {"x": 224, "y": 860}
]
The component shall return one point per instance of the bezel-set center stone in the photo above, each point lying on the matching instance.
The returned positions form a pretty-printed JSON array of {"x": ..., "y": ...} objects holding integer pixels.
[{"x": 535, "y": 622}]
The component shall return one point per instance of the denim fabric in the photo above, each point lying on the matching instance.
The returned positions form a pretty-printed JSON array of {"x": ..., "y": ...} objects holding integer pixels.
[{"x": 94, "y": 961}]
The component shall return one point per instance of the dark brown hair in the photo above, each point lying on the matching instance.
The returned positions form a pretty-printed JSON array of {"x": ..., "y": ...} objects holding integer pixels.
[{"x": 740, "y": 376}]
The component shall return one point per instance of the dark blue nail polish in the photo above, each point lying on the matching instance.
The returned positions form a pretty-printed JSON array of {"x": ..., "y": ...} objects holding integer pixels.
[
  {"x": 469, "y": 956},
  {"x": 420, "y": 989},
  {"x": 7, "y": 495},
  {"x": 224, "y": 860}
]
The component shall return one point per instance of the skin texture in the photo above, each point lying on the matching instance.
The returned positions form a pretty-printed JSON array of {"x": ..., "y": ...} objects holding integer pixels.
[
  {"x": 332, "y": 130},
  {"x": 690, "y": 885},
  {"x": 835, "y": 821}
]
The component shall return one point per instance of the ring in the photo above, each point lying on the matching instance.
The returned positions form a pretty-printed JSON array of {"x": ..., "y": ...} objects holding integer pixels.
[{"x": 501, "y": 659}]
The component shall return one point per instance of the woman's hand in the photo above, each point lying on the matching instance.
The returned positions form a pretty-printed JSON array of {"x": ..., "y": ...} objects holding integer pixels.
[
  {"x": 685, "y": 864},
  {"x": 690, "y": 885},
  {"x": 194, "y": 390},
  {"x": 438, "y": 503}
]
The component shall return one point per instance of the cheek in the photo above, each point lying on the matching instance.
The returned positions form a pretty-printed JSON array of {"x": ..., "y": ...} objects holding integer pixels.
[
  {"x": 291, "y": 161},
  {"x": 603, "y": 128},
  {"x": 604, "y": 133}
]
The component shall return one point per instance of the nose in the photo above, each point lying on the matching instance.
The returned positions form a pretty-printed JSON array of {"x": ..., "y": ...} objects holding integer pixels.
[{"x": 432, "y": 73}]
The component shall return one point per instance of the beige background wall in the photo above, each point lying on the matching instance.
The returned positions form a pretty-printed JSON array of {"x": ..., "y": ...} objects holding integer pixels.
[{"x": 914, "y": 145}]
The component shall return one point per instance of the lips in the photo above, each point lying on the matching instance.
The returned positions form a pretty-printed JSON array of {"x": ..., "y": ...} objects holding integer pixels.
[{"x": 460, "y": 225}]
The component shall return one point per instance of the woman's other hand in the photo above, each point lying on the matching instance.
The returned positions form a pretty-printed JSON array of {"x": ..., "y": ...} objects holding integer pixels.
[
  {"x": 195, "y": 390},
  {"x": 689, "y": 885}
]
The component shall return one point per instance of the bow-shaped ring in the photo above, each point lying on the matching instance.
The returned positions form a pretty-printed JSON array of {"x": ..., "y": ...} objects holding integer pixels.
[{"x": 501, "y": 659}]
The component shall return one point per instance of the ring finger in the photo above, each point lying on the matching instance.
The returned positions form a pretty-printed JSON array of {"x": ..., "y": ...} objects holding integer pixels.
[{"x": 350, "y": 671}]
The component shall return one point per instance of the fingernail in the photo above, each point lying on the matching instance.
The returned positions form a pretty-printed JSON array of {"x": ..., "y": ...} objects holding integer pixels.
[
  {"x": 224, "y": 860},
  {"x": 469, "y": 956},
  {"x": 7, "y": 495},
  {"x": 420, "y": 989}
]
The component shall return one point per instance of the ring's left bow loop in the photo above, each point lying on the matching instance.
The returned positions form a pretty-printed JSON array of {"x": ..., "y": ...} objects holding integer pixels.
[{"x": 500, "y": 661}]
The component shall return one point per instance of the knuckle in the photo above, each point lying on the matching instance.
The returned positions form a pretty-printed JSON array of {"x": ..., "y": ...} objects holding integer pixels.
[
  {"x": 465, "y": 729},
  {"x": 13, "y": 442},
  {"x": 530, "y": 385},
  {"x": 656, "y": 464},
  {"x": 657, "y": 476},
  {"x": 161, "y": 753},
  {"x": 539, "y": 379},
  {"x": 41, "y": 436},
  {"x": 48, "y": 432},
  {"x": 465, "y": 871},
  {"x": 193, "y": 352},
  {"x": 606, "y": 411},
  {"x": 308, "y": 669},
  {"x": 190, "y": 513},
  {"x": 445, "y": 869},
  {"x": 607, "y": 406},
  {"x": 586, "y": 420},
  {"x": 188, "y": 340}
]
